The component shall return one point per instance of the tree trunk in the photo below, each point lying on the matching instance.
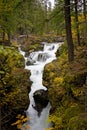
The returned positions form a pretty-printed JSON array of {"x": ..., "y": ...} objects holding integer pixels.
[
  {"x": 76, "y": 18},
  {"x": 26, "y": 31},
  {"x": 46, "y": 20},
  {"x": 9, "y": 39},
  {"x": 86, "y": 96},
  {"x": 3, "y": 37},
  {"x": 84, "y": 6},
  {"x": 68, "y": 31},
  {"x": 0, "y": 117}
]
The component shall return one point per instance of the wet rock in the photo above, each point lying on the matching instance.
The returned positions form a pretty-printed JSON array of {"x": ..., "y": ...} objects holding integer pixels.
[
  {"x": 58, "y": 53},
  {"x": 43, "y": 57},
  {"x": 41, "y": 96},
  {"x": 27, "y": 54},
  {"x": 41, "y": 100},
  {"x": 28, "y": 63}
]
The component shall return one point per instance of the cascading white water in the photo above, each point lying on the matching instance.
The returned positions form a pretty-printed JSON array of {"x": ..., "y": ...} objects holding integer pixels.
[{"x": 39, "y": 60}]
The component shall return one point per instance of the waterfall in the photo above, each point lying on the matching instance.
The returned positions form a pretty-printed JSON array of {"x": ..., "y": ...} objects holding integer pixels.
[{"x": 38, "y": 60}]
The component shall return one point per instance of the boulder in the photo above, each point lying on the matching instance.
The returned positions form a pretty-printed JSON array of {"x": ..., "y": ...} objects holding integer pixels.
[
  {"x": 41, "y": 100},
  {"x": 41, "y": 97},
  {"x": 28, "y": 63}
]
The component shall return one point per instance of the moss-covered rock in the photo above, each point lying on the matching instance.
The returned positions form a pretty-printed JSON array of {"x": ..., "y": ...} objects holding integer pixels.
[{"x": 78, "y": 122}]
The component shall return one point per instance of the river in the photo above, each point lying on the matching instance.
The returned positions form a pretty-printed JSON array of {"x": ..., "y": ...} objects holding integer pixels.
[{"x": 38, "y": 60}]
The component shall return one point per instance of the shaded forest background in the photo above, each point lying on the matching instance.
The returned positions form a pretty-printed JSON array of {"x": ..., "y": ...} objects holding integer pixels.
[{"x": 36, "y": 17}]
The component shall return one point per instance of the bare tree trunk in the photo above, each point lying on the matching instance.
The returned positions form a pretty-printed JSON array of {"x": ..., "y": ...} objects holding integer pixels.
[
  {"x": 68, "y": 31},
  {"x": 77, "y": 25}
]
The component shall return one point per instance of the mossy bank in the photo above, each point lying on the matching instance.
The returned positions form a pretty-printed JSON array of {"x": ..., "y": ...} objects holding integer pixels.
[
  {"x": 14, "y": 86},
  {"x": 66, "y": 83}
]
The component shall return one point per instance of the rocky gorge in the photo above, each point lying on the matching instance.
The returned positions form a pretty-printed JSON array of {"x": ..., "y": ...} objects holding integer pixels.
[
  {"x": 15, "y": 83},
  {"x": 66, "y": 84}
]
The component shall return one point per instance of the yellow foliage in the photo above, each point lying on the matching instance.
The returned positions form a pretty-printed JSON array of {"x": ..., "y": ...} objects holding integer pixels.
[
  {"x": 17, "y": 122},
  {"x": 58, "y": 80},
  {"x": 22, "y": 117},
  {"x": 19, "y": 126},
  {"x": 21, "y": 120},
  {"x": 49, "y": 128},
  {"x": 57, "y": 120},
  {"x": 81, "y": 19},
  {"x": 52, "y": 74}
]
